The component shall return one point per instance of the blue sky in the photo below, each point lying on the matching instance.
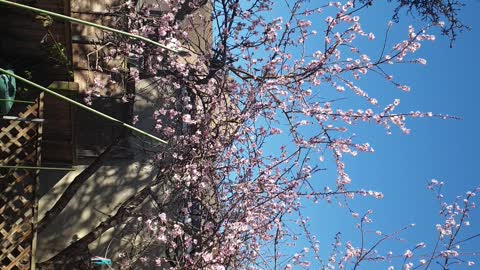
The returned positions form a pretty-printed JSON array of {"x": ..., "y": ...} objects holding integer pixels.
[
  {"x": 445, "y": 150},
  {"x": 402, "y": 165}
]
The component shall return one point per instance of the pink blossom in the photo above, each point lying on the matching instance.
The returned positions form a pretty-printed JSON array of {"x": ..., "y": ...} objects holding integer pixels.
[{"x": 408, "y": 254}]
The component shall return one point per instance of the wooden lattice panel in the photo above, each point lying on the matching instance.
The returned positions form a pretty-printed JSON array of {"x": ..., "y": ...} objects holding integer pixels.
[{"x": 19, "y": 145}]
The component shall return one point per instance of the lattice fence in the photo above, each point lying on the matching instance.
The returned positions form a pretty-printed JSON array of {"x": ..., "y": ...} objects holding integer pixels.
[{"x": 19, "y": 145}]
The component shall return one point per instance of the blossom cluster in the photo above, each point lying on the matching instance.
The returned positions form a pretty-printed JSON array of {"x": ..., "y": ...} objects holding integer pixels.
[{"x": 231, "y": 97}]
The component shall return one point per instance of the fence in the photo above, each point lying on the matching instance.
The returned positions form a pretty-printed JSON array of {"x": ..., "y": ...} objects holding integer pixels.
[{"x": 19, "y": 146}]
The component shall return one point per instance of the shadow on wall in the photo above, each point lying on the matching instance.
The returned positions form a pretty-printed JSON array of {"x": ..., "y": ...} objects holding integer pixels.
[{"x": 99, "y": 197}]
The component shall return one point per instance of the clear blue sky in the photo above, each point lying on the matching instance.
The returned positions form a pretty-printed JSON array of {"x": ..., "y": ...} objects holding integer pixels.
[{"x": 401, "y": 166}]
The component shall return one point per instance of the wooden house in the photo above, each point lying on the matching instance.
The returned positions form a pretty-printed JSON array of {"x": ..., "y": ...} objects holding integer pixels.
[
  {"x": 60, "y": 55},
  {"x": 51, "y": 53}
]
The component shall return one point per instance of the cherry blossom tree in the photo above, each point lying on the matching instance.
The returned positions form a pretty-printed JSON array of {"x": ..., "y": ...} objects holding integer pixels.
[{"x": 250, "y": 132}]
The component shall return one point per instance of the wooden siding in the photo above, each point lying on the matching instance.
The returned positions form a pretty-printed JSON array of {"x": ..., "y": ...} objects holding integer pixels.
[
  {"x": 24, "y": 47},
  {"x": 21, "y": 45},
  {"x": 94, "y": 133},
  {"x": 58, "y": 144},
  {"x": 86, "y": 40}
]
